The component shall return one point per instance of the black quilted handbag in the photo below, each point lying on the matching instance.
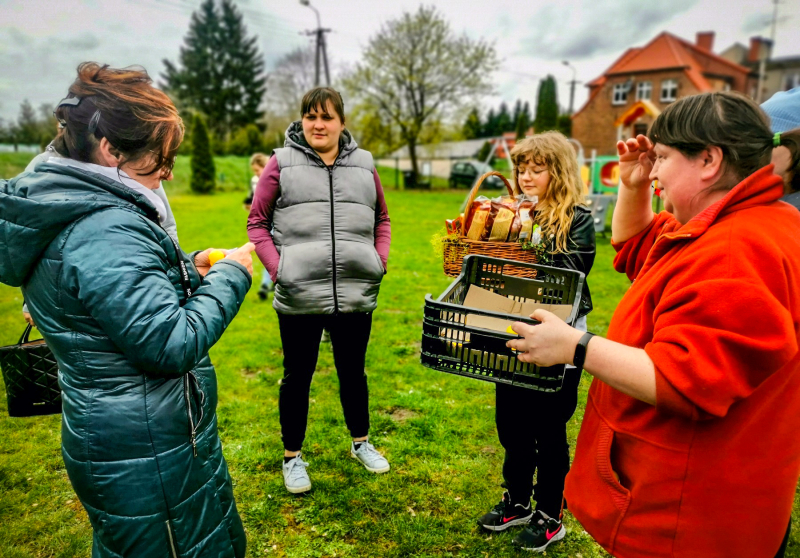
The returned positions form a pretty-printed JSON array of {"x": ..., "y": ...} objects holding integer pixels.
[{"x": 30, "y": 373}]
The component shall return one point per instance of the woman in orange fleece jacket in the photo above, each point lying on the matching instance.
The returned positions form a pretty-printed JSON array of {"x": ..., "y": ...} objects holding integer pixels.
[{"x": 689, "y": 446}]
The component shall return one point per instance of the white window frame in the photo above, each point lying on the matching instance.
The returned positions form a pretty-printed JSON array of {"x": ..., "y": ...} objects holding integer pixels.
[
  {"x": 644, "y": 87},
  {"x": 669, "y": 86},
  {"x": 619, "y": 95}
]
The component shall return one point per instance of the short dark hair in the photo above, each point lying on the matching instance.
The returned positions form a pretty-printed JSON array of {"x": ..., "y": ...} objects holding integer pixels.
[
  {"x": 317, "y": 99},
  {"x": 728, "y": 120},
  {"x": 122, "y": 106}
]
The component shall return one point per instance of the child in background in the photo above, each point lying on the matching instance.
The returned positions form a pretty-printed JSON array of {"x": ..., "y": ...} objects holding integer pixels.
[
  {"x": 258, "y": 162},
  {"x": 532, "y": 425}
]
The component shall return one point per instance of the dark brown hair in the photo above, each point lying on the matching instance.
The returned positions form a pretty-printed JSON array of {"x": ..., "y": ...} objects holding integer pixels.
[
  {"x": 728, "y": 120},
  {"x": 791, "y": 141},
  {"x": 121, "y": 105},
  {"x": 317, "y": 99}
]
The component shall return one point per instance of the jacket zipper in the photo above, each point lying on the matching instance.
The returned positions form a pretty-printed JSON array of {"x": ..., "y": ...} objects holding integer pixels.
[
  {"x": 192, "y": 427},
  {"x": 171, "y": 541},
  {"x": 333, "y": 241}
]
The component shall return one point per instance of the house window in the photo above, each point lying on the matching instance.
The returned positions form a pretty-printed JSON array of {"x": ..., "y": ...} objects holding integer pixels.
[
  {"x": 644, "y": 90},
  {"x": 639, "y": 129},
  {"x": 792, "y": 81},
  {"x": 669, "y": 90},
  {"x": 620, "y": 94}
]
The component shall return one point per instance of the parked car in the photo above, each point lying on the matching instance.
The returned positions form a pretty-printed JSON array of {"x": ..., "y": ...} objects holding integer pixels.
[{"x": 467, "y": 172}]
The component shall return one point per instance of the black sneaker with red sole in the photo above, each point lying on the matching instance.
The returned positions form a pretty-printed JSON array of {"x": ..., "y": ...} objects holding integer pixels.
[
  {"x": 505, "y": 515},
  {"x": 541, "y": 532}
]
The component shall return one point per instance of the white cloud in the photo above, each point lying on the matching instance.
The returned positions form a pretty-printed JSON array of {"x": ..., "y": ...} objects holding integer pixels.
[{"x": 42, "y": 42}]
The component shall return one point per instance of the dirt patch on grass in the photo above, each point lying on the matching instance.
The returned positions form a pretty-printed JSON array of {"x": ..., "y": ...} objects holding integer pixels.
[
  {"x": 490, "y": 450},
  {"x": 75, "y": 505},
  {"x": 399, "y": 414},
  {"x": 249, "y": 372}
]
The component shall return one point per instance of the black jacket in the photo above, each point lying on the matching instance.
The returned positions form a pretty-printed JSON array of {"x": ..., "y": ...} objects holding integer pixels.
[{"x": 581, "y": 252}]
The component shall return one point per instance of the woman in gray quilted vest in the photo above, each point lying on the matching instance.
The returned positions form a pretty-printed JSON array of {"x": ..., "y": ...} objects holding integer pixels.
[
  {"x": 130, "y": 319},
  {"x": 320, "y": 226}
]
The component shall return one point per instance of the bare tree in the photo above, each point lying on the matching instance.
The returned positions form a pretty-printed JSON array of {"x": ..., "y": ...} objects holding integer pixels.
[
  {"x": 292, "y": 77},
  {"x": 417, "y": 73}
]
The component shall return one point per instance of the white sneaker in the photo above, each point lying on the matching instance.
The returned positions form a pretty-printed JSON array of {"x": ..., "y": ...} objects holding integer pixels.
[
  {"x": 295, "y": 476},
  {"x": 373, "y": 461}
]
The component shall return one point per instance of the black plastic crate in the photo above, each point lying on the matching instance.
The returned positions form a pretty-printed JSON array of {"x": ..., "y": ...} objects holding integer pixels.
[{"x": 449, "y": 345}]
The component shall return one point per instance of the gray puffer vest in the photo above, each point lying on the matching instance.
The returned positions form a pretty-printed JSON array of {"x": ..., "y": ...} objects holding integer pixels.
[{"x": 324, "y": 229}]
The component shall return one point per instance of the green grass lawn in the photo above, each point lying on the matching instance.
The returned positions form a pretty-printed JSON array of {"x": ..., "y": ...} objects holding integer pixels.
[{"x": 436, "y": 429}]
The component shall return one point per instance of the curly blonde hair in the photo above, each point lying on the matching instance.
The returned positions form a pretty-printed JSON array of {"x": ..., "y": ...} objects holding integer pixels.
[{"x": 555, "y": 211}]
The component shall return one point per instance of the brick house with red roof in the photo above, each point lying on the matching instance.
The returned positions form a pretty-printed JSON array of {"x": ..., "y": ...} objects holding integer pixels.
[{"x": 644, "y": 80}]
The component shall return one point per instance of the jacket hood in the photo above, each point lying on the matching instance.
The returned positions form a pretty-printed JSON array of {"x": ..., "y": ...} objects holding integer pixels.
[
  {"x": 760, "y": 188},
  {"x": 36, "y": 206},
  {"x": 296, "y": 139}
]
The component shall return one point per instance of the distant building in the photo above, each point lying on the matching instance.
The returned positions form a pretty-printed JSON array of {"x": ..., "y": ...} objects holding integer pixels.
[
  {"x": 781, "y": 74},
  {"x": 434, "y": 159},
  {"x": 626, "y": 99}
]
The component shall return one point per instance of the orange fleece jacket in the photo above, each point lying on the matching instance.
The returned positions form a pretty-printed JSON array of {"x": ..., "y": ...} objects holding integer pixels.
[{"x": 710, "y": 471}]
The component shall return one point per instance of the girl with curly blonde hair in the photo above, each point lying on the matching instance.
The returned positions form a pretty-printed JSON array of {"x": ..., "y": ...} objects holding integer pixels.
[{"x": 532, "y": 425}]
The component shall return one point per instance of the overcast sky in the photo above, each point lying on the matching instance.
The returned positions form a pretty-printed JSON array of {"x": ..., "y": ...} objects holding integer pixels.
[{"x": 42, "y": 41}]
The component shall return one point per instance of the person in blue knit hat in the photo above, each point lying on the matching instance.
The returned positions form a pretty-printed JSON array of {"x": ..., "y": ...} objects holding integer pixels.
[{"x": 783, "y": 109}]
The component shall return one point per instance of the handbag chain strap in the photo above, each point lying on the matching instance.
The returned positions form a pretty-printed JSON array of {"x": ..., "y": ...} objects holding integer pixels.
[{"x": 25, "y": 335}]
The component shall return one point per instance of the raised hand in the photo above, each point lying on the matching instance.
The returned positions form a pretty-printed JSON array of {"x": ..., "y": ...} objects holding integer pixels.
[{"x": 636, "y": 159}]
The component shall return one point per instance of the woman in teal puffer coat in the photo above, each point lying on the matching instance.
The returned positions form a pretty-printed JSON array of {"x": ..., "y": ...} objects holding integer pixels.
[{"x": 130, "y": 319}]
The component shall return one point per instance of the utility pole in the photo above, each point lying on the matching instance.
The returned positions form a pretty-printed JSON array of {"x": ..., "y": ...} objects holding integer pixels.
[
  {"x": 571, "y": 85},
  {"x": 322, "y": 51},
  {"x": 762, "y": 65}
]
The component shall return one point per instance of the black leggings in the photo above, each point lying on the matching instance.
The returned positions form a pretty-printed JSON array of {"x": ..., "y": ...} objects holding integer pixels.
[
  {"x": 532, "y": 426},
  {"x": 300, "y": 335},
  {"x": 782, "y": 549}
]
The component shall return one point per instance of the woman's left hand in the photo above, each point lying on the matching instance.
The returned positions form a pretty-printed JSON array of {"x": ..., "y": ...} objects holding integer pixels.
[
  {"x": 28, "y": 318},
  {"x": 202, "y": 261},
  {"x": 551, "y": 342}
]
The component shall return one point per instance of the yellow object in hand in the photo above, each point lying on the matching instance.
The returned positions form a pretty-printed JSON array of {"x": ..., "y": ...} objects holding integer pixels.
[
  {"x": 215, "y": 256},
  {"x": 510, "y": 330}
]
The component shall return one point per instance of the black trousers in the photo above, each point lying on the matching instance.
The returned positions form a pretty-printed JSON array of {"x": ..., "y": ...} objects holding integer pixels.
[
  {"x": 300, "y": 335},
  {"x": 782, "y": 550},
  {"x": 532, "y": 427}
]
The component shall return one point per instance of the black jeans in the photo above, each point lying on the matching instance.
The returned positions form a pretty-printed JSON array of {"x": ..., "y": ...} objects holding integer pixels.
[
  {"x": 300, "y": 335},
  {"x": 782, "y": 550},
  {"x": 532, "y": 426}
]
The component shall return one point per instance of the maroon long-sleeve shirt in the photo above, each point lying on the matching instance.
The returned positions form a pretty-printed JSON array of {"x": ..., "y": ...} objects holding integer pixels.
[{"x": 259, "y": 223}]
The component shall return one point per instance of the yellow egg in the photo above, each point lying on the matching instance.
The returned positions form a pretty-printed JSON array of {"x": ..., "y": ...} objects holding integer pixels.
[{"x": 215, "y": 256}]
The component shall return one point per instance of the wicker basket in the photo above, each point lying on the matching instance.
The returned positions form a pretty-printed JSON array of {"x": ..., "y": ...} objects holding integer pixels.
[{"x": 456, "y": 249}]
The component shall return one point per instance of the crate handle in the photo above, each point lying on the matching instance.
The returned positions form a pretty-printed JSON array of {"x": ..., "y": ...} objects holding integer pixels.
[{"x": 474, "y": 193}]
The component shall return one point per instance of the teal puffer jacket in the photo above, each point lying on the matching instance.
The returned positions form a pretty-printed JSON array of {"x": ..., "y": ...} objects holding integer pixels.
[{"x": 139, "y": 426}]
